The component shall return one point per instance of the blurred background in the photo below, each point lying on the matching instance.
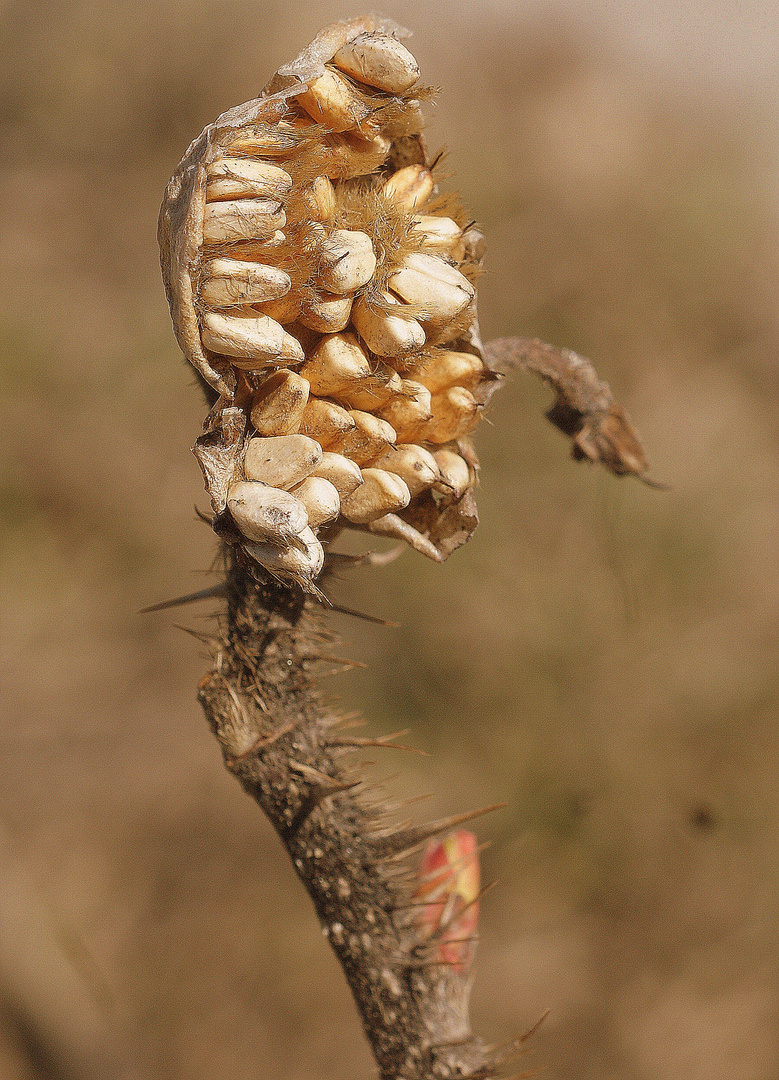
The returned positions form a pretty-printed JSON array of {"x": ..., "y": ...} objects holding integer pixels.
[{"x": 601, "y": 657}]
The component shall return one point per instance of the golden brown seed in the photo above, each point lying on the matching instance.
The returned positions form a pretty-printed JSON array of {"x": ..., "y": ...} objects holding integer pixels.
[
  {"x": 266, "y": 513},
  {"x": 357, "y": 154},
  {"x": 251, "y": 342},
  {"x": 381, "y": 493},
  {"x": 319, "y": 200},
  {"x": 243, "y": 178},
  {"x": 380, "y": 61},
  {"x": 326, "y": 422},
  {"x": 455, "y": 412},
  {"x": 415, "y": 466},
  {"x": 285, "y": 310},
  {"x": 320, "y": 498},
  {"x": 347, "y": 261},
  {"x": 432, "y": 284},
  {"x": 343, "y": 473},
  {"x": 454, "y": 471},
  {"x": 331, "y": 101},
  {"x": 278, "y": 405},
  {"x": 279, "y": 140},
  {"x": 384, "y": 332},
  {"x": 409, "y": 187},
  {"x": 282, "y": 461},
  {"x": 326, "y": 313},
  {"x": 447, "y": 369},
  {"x": 242, "y": 219},
  {"x": 335, "y": 364},
  {"x": 440, "y": 235},
  {"x": 301, "y": 562},
  {"x": 231, "y": 282},
  {"x": 370, "y": 437},
  {"x": 408, "y": 409}
]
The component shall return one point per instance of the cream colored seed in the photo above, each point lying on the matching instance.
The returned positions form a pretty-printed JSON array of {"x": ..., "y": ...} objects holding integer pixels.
[
  {"x": 409, "y": 187},
  {"x": 415, "y": 466},
  {"x": 455, "y": 472},
  {"x": 230, "y": 282},
  {"x": 266, "y": 513},
  {"x": 410, "y": 408},
  {"x": 447, "y": 369},
  {"x": 241, "y": 219},
  {"x": 326, "y": 313},
  {"x": 440, "y": 234},
  {"x": 386, "y": 333},
  {"x": 265, "y": 140},
  {"x": 261, "y": 251},
  {"x": 380, "y": 61},
  {"x": 319, "y": 200},
  {"x": 326, "y": 422},
  {"x": 455, "y": 413},
  {"x": 243, "y": 178},
  {"x": 282, "y": 461},
  {"x": 371, "y": 391},
  {"x": 348, "y": 261},
  {"x": 370, "y": 437},
  {"x": 432, "y": 284},
  {"x": 301, "y": 562},
  {"x": 335, "y": 363},
  {"x": 381, "y": 493},
  {"x": 279, "y": 404},
  {"x": 343, "y": 473},
  {"x": 320, "y": 498},
  {"x": 252, "y": 343},
  {"x": 331, "y": 101}
]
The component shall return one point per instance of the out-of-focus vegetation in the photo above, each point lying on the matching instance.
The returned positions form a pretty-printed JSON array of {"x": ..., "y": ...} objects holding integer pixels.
[{"x": 602, "y": 657}]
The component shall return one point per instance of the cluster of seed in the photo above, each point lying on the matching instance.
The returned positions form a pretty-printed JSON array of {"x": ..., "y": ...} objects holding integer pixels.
[{"x": 337, "y": 286}]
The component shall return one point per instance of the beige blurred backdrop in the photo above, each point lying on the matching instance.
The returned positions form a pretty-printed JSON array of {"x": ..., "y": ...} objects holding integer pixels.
[{"x": 601, "y": 657}]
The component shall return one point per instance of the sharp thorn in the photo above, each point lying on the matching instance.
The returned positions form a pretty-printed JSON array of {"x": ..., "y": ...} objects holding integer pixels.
[
  {"x": 219, "y": 590},
  {"x": 409, "y": 839},
  {"x": 262, "y": 742}
]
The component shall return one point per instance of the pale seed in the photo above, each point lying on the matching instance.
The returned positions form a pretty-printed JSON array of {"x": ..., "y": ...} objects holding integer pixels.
[
  {"x": 347, "y": 261},
  {"x": 230, "y": 282},
  {"x": 432, "y": 284},
  {"x": 326, "y": 422},
  {"x": 266, "y": 513},
  {"x": 447, "y": 369},
  {"x": 331, "y": 101},
  {"x": 252, "y": 342},
  {"x": 320, "y": 498},
  {"x": 370, "y": 437},
  {"x": 301, "y": 562},
  {"x": 326, "y": 313},
  {"x": 370, "y": 391},
  {"x": 278, "y": 405},
  {"x": 242, "y": 219},
  {"x": 385, "y": 333},
  {"x": 409, "y": 187},
  {"x": 243, "y": 178},
  {"x": 454, "y": 471},
  {"x": 343, "y": 473},
  {"x": 319, "y": 201},
  {"x": 335, "y": 364},
  {"x": 415, "y": 466},
  {"x": 282, "y": 461},
  {"x": 408, "y": 409},
  {"x": 381, "y": 493},
  {"x": 455, "y": 413},
  {"x": 440, "y": 234},
  {"x": 380, "y": 61}
]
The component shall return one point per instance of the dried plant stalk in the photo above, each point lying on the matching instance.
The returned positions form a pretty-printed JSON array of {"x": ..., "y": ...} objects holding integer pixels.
[{"x": 324, "y": 290}]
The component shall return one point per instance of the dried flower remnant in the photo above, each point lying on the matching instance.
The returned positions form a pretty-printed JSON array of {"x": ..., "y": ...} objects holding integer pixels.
[{"x": 323, "y": 288}]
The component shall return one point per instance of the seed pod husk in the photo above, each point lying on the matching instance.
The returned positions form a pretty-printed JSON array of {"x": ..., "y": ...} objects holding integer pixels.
[
  {"x": 320, "y": 498},
  {"x": 344, "y": 474},
  {"x": 379, "y": 61},
  {"x": 266, "y": 513},
  {"x": 281, "y": 461},
  {"x": 381, "y": 493},
  {"x": 415, "y": 466},
  {"x": 279, "y": 404}
]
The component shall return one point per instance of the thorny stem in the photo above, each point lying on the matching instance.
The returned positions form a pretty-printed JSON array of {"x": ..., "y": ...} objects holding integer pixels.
[{"x": 281, "y": 741}]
